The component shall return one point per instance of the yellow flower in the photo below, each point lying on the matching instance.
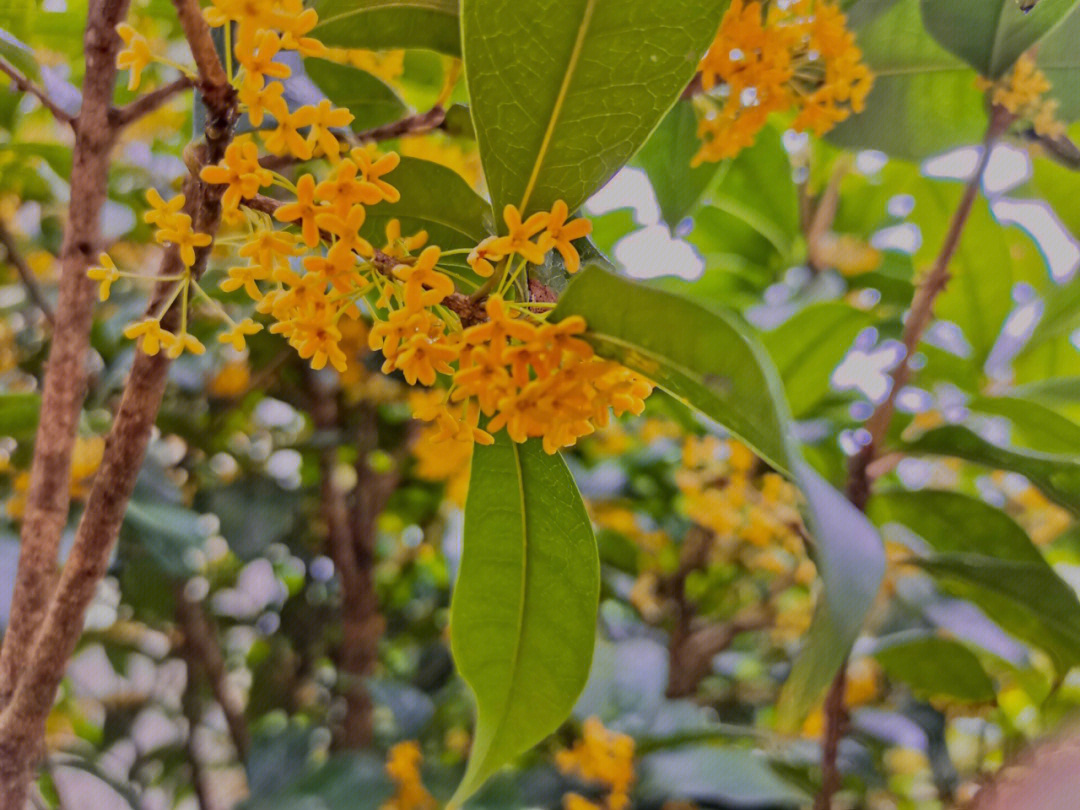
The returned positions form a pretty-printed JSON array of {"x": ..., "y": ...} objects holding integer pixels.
[
  {"x": 236, "y": 335},
  {"x": 162, "y": 213},
  {"x": 325, "y": 117},
  {"x": 186, "y": 240},
  {"x": 372, "y": 172},
  {"x": 424, "y": 285},
  {"x": 240, "y": 170},
  {"x": 399, "y": 246},
  {"x": 183, "y": 342},
  {"x": 150, "y": 334},
  {"x": 286, "y": 138},
  {"x": 600, "y": 756},
  {"x": 257, "y": 57},
  {"x": 106, "y": 274},
  {"x": 258, "y": 101},
  {"x": 304, "y": 209},
  {"x": 562, "y": 233},
  {"x": 519, "y": 234},
  {"x": 136, "y": 56},
  {"x": 403, "y": 767}
]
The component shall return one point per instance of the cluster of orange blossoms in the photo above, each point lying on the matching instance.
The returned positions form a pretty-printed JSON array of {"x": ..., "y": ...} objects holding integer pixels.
[
  {"x": 531, "y": 377},
  {"x": 794, "y": 55}
]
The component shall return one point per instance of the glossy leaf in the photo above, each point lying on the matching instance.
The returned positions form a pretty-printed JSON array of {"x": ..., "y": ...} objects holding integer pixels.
[
  {"x": 665, "y": 157},
  {"x": 523, "y": 617},
  {"x": 367, "y": 97},
  {"x": 433, "y": 198},
  {"x": 990, "y": 35},
  {"x": 1034, "y": 426},
  {"x": 935, "y": 667},
  {"x": 1057, "y": 476},
  {"x": 382, "y": 24},
  {"x": 1025, "y": 598},
  {"x": 915, "y": 81},
  {"x": 564, "y": 92},
  {"x": 707, "y": 360}
]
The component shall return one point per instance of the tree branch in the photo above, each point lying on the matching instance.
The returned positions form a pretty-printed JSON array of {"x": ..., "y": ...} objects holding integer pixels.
[
  {"x": 48, "y": 497},
  {"x": 26, "y": 274},
  {"x": 202, "y": 653},
  {"x": 921, "y": 313},
  {"x": 835, "y": 724},
  {"x": 148, "y": 103},
  {"x": 27, "y": 86},
  {"x": 41, "y": 665}
]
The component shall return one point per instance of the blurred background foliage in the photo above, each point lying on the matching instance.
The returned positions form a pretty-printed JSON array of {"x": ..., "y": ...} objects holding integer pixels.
[{"x": 707, "y": 587}]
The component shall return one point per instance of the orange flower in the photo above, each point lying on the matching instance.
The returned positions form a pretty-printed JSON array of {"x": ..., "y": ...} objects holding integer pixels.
[
  {"x": 136, "y": 56},
  {"x": 235, "y": 336},
  {"x": 519, "y": 234},
  {"x": 304, "y": 209},
  {"x": 240, "y": 170},
  {"x": 372, "y": 172},
  {"x": 562, "y": 233}
]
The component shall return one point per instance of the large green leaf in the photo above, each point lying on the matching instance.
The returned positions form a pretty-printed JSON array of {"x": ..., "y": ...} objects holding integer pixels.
[
  {"x": 809, "y": 345},
  {"x": 707, "y": 360},
  {"x": 935, "y": 667},
  {"x": 367, "y": 97},
  {"x": 1026, "y": 598},
  {"x": 990, "y": 35},
  {"x": 665, "y": 157},
  {"x": 935, "y": 515},
  {"x": 1034, "y": 426},
  {"x": 1057, "y": 476},
  {"x": 380, "y": 24},
  {"x": 966, "y": 533},
  {"x": 564, "y": 92},
  {"x": 433, "y": 198},
  {"x": 523, "y": 618},
  {"x": 916, "y": 81}
]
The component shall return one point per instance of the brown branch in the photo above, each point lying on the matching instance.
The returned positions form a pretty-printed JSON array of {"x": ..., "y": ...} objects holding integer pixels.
[
  {"x": 202, "y": 653},
  {"x": 213, "y": 84},
  {"x": 26, "y": 273},
  {"x": 921, "y": 313},
  {"x": 41, "y": 665},
  {"x": 48, "y": 499},
  {"x": 27, "y": 86},
  {"x": 824, "y": 216},
  {"x": 836, "y": 719},
  {"x": 148, "y": 103}
]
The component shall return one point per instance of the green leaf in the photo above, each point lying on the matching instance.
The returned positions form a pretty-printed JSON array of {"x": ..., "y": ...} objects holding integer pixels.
[
  {"x": 433, "y": 198},
  {"x": 1057, "y": 476},
  {"x": 523, "y": 617},
  {"x": 382, "y": 24},
  {"x": 915, "y": 81},
  {"x": 809, "y": 345},
  {"x": 707, "y": 360},
  {"x": 367, "y": 97},
  {"x": 1054, "y": 391},
  {"x": 564, "y": 92},
  {"x": 724, "y": 777},
  {"x": 254, "y": 513},
  {"x": 19, "y": 414},
  {"x": 935, "y": 667},
  {"x": 167, "y": 531},
  {"x": 702, "y": 357},
  {"x": 1025, "y": 598},
  {"x": 935, "y": 515},
  {"x": 665, "y": 157},
  {"x": 990, "y": 35},
  {"x": 1033, "y": 425}
]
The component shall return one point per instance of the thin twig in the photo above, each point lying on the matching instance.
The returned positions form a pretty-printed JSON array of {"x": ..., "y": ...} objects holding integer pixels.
[
  {"x": 835, "y": 725},
  {"x": 149, "y": 102},
  {"x": 27, "y": 86},
  {"x": 26, "y": 274},
  {"x": 824, "y": 215},
  {"x": 921, "y": 313},
  {"x": 189, "y": 703}
]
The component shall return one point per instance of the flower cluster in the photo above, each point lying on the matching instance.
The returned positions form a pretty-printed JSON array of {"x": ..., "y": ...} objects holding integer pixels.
[
  {"x": 603, "y": 757},
  {"x": 403, "y": 767},
  {"x": 793, "y": 56},
  {"x": 308, "y": 265},
  {"x": 1022, "y": 92},
  {"x": 753, "y": 518}
]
